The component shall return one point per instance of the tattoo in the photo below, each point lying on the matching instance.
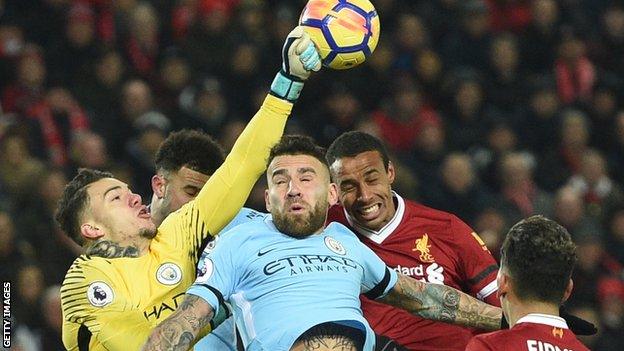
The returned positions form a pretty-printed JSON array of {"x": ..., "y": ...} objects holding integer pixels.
[
  {"x": 450, "y": 304},
  {"x": 326, "y": 343},
  {"x": 109, "y": 249},
  {"x": 442, "y": 303},
  {"x": 178, "y": 331}
]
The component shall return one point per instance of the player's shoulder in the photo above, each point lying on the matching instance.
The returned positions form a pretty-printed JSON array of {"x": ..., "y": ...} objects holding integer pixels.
[
  {"x": 245, "y": 215},
  {"x": 88, "y": 281},
  {"x": 435, "y": 221},
  {"x": 86, "y": 265},
  {"x": 418, "y": 210},
  {"x": 246, "y": 230},
  {"x": 341, "y": 232}
]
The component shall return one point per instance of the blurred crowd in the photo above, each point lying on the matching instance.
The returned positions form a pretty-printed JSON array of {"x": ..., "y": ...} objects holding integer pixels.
[{"x": 493, "y": 110}]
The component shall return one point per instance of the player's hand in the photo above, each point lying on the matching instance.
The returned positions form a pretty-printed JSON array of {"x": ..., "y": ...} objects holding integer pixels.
[
  {"x": 299, "y": 55},
  {"x": 577, "y": 325}
]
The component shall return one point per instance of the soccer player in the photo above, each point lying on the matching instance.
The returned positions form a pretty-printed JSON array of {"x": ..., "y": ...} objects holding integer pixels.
[
  {"x": 134, "y": 274},
  {"x": 537, "y": 259},
  {"x": 415, "y": 240},
  {"x": 295, "y": 283},
  {"x": 184, "y": 162}
]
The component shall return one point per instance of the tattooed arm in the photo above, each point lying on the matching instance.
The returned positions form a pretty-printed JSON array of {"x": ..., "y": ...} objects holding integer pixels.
[
  {"x": 442, "y": 303},
  {"x": 178, "y": 331}
]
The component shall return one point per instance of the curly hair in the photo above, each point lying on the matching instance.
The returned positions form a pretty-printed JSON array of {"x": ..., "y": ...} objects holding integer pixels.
[
  {"x": 539, "y": 255},
  {"x": 189, "y": 148}
]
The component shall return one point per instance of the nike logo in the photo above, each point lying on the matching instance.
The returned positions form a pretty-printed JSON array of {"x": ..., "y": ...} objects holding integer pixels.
[{"x": 261, "y": 253}]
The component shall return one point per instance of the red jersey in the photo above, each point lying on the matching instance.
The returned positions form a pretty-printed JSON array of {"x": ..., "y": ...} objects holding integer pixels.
[
  {"x": 431, "y": 246},
  {"x": 533, "y": 332}
]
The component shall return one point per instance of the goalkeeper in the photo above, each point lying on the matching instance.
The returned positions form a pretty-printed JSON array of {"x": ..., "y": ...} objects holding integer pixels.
[{"x": 134, "y": 275}]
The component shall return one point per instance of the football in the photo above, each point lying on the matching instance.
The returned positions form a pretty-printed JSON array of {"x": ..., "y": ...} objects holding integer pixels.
[{"x": 345, "y": 32}]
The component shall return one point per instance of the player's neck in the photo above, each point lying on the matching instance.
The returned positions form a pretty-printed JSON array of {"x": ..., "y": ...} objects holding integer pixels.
[
  {"x": 157, "y": 218},
  {"x": 521, "y": 309},
  {"x": 110, "y": 249}
]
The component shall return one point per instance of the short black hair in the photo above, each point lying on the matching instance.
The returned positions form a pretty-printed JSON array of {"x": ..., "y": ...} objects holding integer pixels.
[
  {"x": 539, "y": 255},
  {"x": 351, "y": 144},
  {"x": 189, "y": 148},
  {"x": 74, "y": 200},
  {"x": 297, "y": 145}
]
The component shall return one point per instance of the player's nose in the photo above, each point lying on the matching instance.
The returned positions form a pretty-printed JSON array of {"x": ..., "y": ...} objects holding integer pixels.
[
  {"x": 135, "y": 200},
  {"x": 364, "y": 193},
  {"x": 294, "y": 189}
]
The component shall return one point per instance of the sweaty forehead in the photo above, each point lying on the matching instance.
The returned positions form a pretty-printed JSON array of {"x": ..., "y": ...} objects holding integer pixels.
[
  {"x": 189, "y": 176},
  {"x": 357, "y": 165}
]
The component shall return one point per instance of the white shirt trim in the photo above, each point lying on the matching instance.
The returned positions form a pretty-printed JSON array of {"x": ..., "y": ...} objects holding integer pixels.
[
  {"x": 248, "y": 320},
  {"x": 380, "y": 235},
  {"x": 487, "y": 290},
  {"x": 538, "y": 318}
]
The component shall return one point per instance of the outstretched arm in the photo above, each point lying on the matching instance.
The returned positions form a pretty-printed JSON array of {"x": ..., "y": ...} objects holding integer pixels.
[
  {"x": 179, "y": 331},
  {"x": 226, "y": 191},
  {"x": 442, "y": 303}
]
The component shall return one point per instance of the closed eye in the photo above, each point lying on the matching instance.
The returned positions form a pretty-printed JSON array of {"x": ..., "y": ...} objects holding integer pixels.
[{"x": 372, "y": 180}]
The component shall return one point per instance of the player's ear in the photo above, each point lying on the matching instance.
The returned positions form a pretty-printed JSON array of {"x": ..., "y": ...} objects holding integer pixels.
[
  {"x": 91, "y": 231},
  {"x": 503, "y": 283},
  {"x": 158, "y": 185},
  {"x": 391, "y": 172},
  {"x": 332, "y": 196},
  {"x": 267, "y": 200},
  {"x": 568, "y": 291}
]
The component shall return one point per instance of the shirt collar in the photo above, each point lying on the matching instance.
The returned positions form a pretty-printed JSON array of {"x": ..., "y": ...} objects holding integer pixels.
[{"x": 548, "y": 319}]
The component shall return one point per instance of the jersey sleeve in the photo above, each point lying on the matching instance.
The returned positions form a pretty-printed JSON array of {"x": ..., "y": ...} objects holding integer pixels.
[
  {"x": 478, "y": 344},
  {"x": 227, "y": 189},
  {"x": 219, "y": 272},
  {"x": 378, "y": 279},
  {"x": 477, "y": 265},
  {"x": 94, "y": 312}
]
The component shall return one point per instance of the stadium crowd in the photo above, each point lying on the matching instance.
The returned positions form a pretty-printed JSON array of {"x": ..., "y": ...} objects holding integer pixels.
[{"x": 494, "y": 110}]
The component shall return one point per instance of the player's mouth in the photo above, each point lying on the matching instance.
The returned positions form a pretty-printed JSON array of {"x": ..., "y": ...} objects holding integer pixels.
[
  {"x": 144, "y": 213},
  {"x": 370, "y": 212},
  {"x": 297, "y": 208}
]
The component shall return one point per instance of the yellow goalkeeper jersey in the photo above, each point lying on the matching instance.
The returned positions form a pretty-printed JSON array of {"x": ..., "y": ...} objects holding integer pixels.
[{"x": 113, "y": 304}]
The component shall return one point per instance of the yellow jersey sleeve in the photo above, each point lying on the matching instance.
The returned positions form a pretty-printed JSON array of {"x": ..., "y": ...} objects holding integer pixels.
[
  {"x": 94, "y": 311},
  {"x": 228, "y": 188}
]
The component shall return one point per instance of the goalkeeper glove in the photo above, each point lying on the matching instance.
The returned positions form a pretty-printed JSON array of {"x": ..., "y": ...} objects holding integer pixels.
[{"x": 299, "y": 59}]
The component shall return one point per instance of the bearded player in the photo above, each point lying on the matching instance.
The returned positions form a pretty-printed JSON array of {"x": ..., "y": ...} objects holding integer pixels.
[
  {"x": 134, "y": 274},
  {"x": 294, "y": 283},
  {"x": 537, "y": 259}
]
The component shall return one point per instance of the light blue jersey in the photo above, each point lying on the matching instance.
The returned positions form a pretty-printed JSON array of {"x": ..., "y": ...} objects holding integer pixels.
[
  {"x": 280, "y": 286},
  {"x": 223, "y": 337}
]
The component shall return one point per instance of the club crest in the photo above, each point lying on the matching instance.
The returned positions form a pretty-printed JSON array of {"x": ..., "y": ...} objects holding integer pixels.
[
  {"x": 335, "y": 245},
  {"x": 169, "y": 274}
]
